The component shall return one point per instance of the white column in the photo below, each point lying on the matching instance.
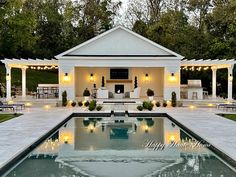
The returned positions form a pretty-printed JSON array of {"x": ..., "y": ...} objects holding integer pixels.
[
  {"x": 214, "y": 70},
  {"x": 230, "y": 83},
  {"x": 23, "y": 82},
  {"x": 171, "y": 85},
  {"x": 68, "y": 86},
  {"x": 8, "y": 82}
]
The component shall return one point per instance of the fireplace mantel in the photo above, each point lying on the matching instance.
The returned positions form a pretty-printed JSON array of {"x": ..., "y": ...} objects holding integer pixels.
[{"x": 119, "y": 81}]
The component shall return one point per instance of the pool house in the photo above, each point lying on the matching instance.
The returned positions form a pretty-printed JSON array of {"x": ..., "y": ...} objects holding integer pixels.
[{"x": 121, "y": 64}]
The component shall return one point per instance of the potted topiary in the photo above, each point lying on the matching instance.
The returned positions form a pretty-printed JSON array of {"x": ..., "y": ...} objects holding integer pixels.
[
  {"x": 150, "y": 94},
  {"x": 135, "y": 82},
  {"x": 173, "y": 99},
  {"x": 103, "y": 81},
  {"x": 86, "y": 94},
  {"x": 64, "y": 98}
]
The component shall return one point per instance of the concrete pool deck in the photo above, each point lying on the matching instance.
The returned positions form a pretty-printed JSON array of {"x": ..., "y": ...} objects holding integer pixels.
[{"x": 19, "y": 133}]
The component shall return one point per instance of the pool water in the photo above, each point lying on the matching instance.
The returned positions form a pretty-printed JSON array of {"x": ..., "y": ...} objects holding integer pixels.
[{"x": 121, "y": 147}]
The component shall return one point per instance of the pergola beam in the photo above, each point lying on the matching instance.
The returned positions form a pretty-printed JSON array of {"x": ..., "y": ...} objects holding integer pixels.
[
  {"x": 23, "y": 64},
  {"x": 19, "y": 63},
  {"x": 214, "y": 64}
]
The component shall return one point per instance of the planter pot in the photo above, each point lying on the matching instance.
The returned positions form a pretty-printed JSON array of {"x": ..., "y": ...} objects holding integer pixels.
[
  {"x": 86, "y": 98},
  {"x": 151, "y": 98}
]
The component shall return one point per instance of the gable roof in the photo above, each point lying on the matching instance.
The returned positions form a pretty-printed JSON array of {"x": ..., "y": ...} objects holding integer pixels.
[{"x": 119, "y": 42}]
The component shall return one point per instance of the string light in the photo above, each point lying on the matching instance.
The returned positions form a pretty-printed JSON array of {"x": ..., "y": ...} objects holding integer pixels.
[
  {"x": 43, "y": 67},
  {"x": 193, "y": 68}
]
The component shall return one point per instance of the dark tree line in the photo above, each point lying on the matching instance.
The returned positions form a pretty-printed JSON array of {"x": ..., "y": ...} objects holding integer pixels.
[
  {"x": 193, "y": 28},
  {"x": 45, "y": 28}
]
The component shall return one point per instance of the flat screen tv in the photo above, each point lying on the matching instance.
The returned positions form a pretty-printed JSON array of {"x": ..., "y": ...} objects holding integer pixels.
[{"x": 119, "y": 73}]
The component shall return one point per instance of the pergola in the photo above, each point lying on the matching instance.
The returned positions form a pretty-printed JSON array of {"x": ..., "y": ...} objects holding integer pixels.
[
  {"x": 214, "y": 64},
  {"x": 24, "y": 64}
]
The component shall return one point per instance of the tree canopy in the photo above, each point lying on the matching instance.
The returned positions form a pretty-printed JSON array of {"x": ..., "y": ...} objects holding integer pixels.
[
  {"x": 44, "y": 28},
  {"x": 194, "y": 28}
]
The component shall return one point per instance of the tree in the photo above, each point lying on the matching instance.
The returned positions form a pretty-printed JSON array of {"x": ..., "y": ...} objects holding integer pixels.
[{"x": 17, "y": 29}]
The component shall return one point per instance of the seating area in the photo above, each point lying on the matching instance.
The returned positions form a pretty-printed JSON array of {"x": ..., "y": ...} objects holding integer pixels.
[
  {"x": 104, "y": 93},
  {"x": 47, "y": 91}
]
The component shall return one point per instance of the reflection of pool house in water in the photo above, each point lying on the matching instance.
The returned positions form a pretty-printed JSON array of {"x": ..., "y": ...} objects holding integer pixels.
[{"x": 100, "y": 147}]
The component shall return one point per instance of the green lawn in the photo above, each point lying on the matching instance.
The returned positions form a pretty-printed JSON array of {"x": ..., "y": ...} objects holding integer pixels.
[
  {"x": 5, "y": 117},
  {"x": 229, "y": 116},
  {"x": 33, "y": 77}
]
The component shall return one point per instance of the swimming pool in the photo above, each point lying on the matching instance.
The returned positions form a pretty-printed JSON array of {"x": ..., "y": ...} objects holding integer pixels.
[{"x": 121, "y": 147}]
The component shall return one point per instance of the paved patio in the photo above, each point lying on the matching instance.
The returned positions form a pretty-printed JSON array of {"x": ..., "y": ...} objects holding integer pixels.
[{"x": 19, "y": 133}]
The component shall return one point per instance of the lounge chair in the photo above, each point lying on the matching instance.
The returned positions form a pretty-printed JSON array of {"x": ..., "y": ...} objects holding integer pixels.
[
  {"x": 135, "y": 93},
  {"x": 226, "y": 106},
  {"x": 12, "y": 106},
  {"x": 6, "y": 106},
  {"x": 231, "y": 106},
  {"x": 17, "y": 105}
]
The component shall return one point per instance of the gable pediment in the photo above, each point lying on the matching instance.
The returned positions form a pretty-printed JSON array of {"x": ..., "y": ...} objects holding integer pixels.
[{"x": 119, "y": 42}]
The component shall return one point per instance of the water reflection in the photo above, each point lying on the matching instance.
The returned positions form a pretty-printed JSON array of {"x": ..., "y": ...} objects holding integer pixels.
[{"x": 119, "y": 147}]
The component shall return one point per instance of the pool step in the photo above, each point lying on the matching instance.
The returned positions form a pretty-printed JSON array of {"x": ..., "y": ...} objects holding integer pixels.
[{"x": 121, "y": 113}]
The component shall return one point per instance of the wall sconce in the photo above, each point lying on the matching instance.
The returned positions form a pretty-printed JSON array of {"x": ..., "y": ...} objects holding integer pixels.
[
  {"x": 91, "y": 77},
  {"x": 172, "y": 139},
  {"x": 66, "y": 77},
  {"x": 66, "y": 139},
  {"x": 172, "y": 77},
  {"x": 146, "y": 77},
  {"x": 8, "y": 77},
  {"x": 231, "y": 78}
]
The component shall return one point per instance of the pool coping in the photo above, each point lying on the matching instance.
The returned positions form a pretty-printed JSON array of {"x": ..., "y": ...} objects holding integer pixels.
[
  {"x": 214, "y": 149},
  {"x": 12, "y": 162}
]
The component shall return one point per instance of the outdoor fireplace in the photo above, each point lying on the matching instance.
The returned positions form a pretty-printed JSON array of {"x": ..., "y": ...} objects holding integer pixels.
[{"x": 119, "y": 89}]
